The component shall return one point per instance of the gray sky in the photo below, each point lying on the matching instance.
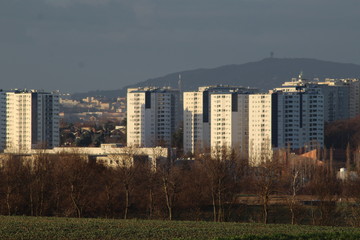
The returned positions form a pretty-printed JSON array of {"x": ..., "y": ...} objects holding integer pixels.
[{"x": 81, "y": 45}]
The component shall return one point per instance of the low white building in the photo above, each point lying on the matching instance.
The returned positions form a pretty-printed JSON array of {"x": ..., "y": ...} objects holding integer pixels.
[{"x": 111, "y": 155}]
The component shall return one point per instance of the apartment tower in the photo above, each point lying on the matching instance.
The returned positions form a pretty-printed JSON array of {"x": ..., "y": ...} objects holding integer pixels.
[
  {"x": 229, "y": 124},
  {"x": 198, "y": 115},
  {"x": 28, "y": 120},
  {"x": 291, "y": 120},
  {"x": 153, "y": 115},
  {"x": 341, "y": 96}
]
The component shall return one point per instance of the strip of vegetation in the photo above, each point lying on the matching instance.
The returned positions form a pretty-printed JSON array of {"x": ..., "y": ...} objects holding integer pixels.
[
  {"x": 313, "y": 236},
  {"x": 71, "y": 228},
  {"x": 217, "y": 189}
]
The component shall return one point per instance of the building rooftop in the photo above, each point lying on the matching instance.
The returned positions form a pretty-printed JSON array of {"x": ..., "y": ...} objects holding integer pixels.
[
  {"x": 221, "y": 87},
  {"x": 152, "y": 89}
]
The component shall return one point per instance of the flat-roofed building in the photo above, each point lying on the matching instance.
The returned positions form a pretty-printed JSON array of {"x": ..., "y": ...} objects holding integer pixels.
[
  {"x": 29, "y": 119},
  {"x": 197, "y": 111},
  {"x": 292, "y": 120},
  {"x": 229, "y": 124},
  {"x": 153, "y": 115},
  {"x": 260, "y": 128},
  {"x": 341, "y": 96}
]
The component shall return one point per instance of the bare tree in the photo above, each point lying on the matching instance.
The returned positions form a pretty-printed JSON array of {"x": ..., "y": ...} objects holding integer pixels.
[
  {"x": 326, "y": 188},
  {"x": 195, "y": 190},
  {"x": 266, "y": 178},
  {"x": 148, "y": 181},
  {"x": 351, "y": 192},
  {"x": 126, "y": 170},
  {"x": 40, "y": 183},
  {"x": 75, "y": 179},
  {"x": 215, "y": 170},
  {"x": 295, "y": 185},
  {"x": 15, "y": 173},
  {"x": 170, "y": 179},
  {"x": 348, "y": 159},
  {"x": 221, "y": 176}
]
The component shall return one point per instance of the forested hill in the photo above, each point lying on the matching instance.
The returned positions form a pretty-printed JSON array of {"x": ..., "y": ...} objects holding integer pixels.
[{"x": 265, "y": 74}]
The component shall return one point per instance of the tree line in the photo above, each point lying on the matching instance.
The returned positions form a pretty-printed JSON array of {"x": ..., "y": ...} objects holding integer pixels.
[{"x": 219, "y": 189}]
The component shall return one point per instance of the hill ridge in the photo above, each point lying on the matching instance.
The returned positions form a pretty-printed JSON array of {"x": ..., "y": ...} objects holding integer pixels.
[{"x": 264, "y": 74}]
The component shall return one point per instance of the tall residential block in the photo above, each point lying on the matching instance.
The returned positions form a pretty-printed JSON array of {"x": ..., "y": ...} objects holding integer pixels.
[
  {"x": 229, "y": 124},
  {"x": 353, "y": 100},
  {"x": 285, "y": 120},
  {"x": 198, "y": 115},
  {"x": 28, "y": 120},
  {"x": 260, "y": 127},
  {"x": 298, "y": 119},
  {"x": 341, "y": 96},
  {"x": 196, "y": 121},
  {"x": 153, "y": 115}
]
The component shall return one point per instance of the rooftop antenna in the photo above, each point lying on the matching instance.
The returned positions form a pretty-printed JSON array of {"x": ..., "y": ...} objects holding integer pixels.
[
  {"x": 301, "y": 76},
  {"x": 180, "y": 88},
  {"x": 180, "y": 83}
]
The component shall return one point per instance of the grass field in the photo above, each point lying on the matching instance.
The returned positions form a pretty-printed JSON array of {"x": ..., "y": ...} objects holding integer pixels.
[{"x": 70, "y": 228}]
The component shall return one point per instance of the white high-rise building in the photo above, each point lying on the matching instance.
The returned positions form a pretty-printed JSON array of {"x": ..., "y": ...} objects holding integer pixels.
[
  {"x": 229, "y": 124},
  {"x": 291, "y": 120},
  {"x": 298, "y": 119},
  {"x": 341, "y": 96},
  {"x": 153, "y": 115},
  {"x": 252, "y": 124},
  {"x": 196, "y": 121},
  {"x": 260, "y": 128},
  {"x": 28, "y": 120},
  {"x": 197, "y": 115}
]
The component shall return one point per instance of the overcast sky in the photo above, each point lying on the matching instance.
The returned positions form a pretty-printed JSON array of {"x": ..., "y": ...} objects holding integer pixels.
[{"x": 81, "y": 45}]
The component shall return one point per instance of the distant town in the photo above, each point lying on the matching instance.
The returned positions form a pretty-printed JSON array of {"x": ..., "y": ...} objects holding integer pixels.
[
  {"x": 123, "y": 119},
  {"x": 213, "y": 120},
  {"x": 242, "y": 145}
]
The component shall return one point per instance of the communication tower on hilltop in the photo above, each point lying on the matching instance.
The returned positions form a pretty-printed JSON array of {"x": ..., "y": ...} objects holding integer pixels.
[
  {"x": 180, "y": 88},
  {"x": 180, "y": 83}
]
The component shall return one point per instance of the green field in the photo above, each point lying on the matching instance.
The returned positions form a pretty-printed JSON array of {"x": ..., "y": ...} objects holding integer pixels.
[{"x": 70, "y": 228}]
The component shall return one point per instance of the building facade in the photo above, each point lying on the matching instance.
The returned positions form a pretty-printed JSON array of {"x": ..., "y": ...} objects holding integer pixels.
[
  {"x": 341, "y": 96},
  {"x": 353, "y": 99},
  {"x": 110, "y": 155},
  {"x": 196, "y": 121},
  {"x": 229, "y": 124},
  {"x": 292, "y": 120},
  {"x": 29, "y": 119},
  {"x": 153, "y": 115},
  {"x": 260, "y": 128},
  {"x": 198, "y": 113},
  {"x": 298, "y": 119}
]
